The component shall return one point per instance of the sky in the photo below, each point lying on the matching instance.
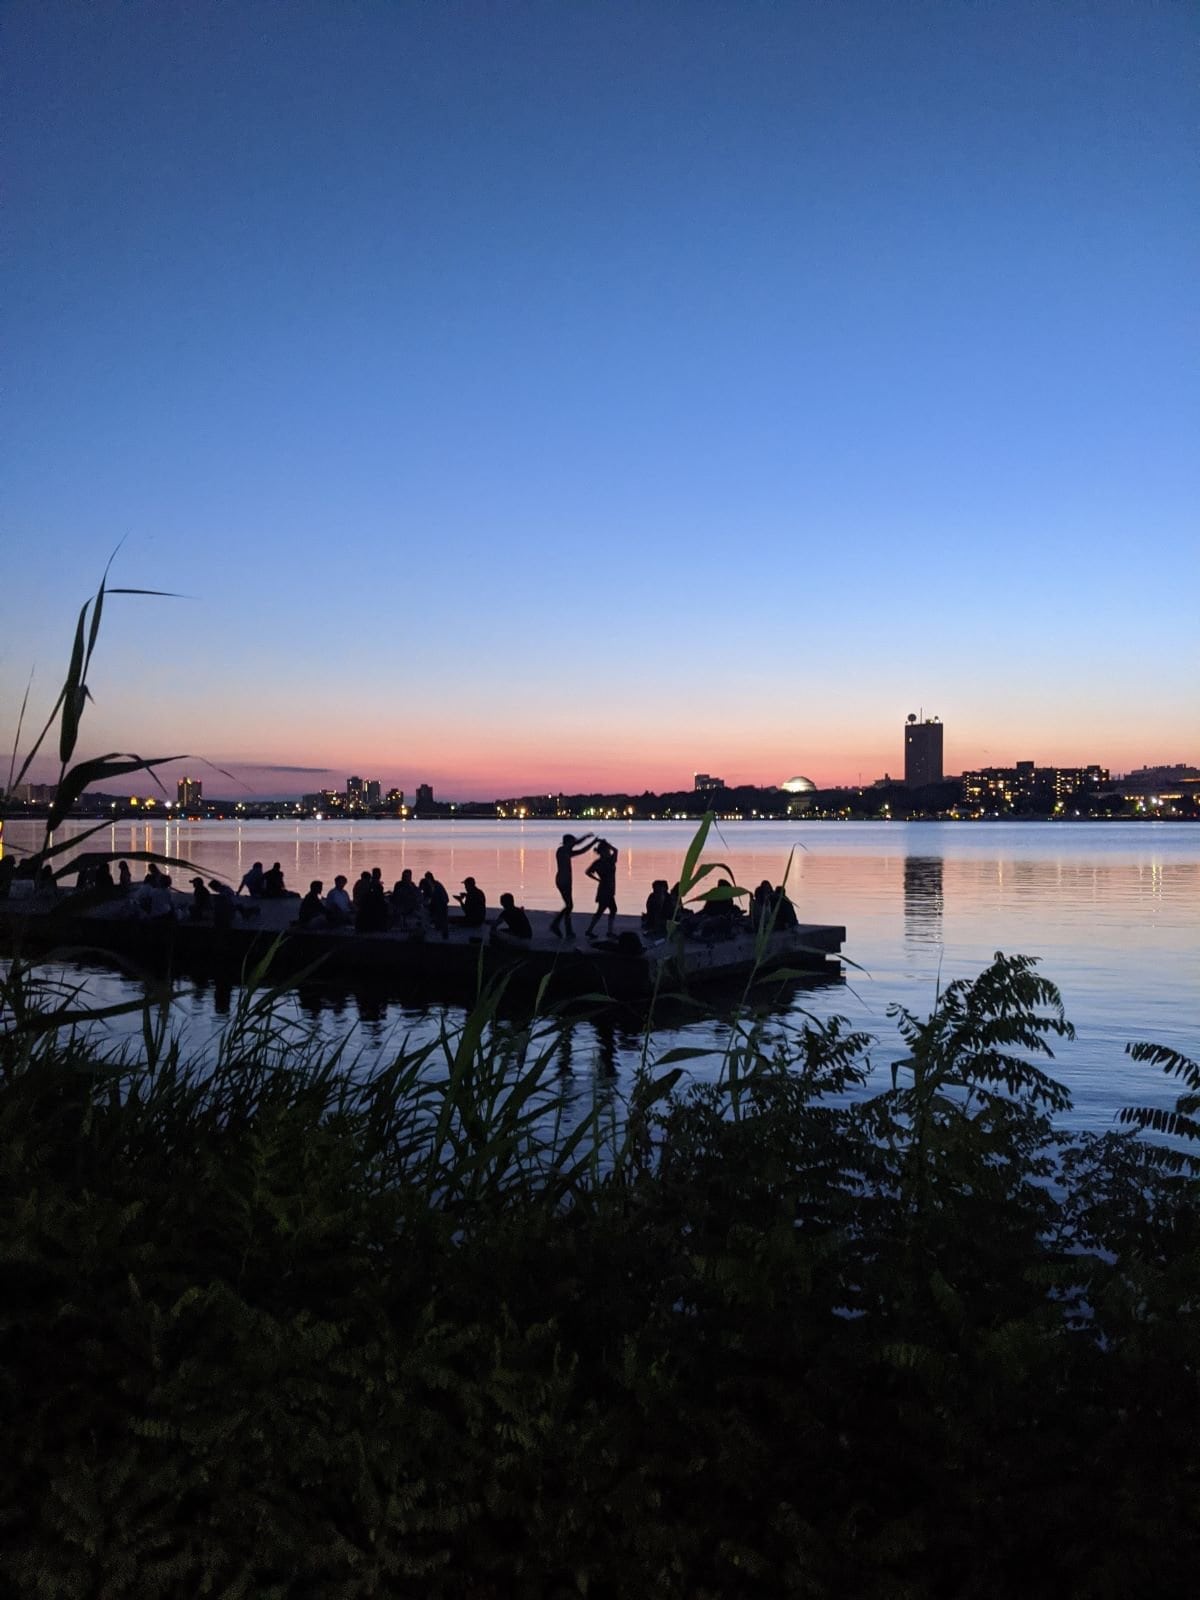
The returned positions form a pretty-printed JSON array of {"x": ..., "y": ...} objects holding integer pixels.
[{"x": 539, "y": 397}]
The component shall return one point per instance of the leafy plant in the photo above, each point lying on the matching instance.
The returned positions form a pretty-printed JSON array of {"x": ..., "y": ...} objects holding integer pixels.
[
  {"x": 277, "y": 1324},
  {"x": 1184, "y": 1121}
]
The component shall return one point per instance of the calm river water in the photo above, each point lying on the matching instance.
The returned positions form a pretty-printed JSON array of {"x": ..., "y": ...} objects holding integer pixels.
[{"x": 1112, "y": 910}]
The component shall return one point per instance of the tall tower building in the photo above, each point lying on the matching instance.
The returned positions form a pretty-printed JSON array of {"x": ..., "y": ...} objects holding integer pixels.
[
  {"x": 190, "y": 792},
  {"x": 922, "y": 751}
]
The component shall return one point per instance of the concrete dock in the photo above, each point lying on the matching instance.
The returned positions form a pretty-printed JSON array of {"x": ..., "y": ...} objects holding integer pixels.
[{"x": 691, "y": 962}]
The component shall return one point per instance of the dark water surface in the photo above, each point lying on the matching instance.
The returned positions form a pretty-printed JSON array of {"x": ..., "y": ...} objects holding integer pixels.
[{"x": 1112, "y": 910}]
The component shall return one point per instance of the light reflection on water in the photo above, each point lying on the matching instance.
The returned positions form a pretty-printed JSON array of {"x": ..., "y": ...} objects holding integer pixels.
[{"x": 1111, "y": 909}]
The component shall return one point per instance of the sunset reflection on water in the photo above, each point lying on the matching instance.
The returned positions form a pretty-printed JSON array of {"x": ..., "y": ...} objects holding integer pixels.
[{"x": 1111, "y": 910}]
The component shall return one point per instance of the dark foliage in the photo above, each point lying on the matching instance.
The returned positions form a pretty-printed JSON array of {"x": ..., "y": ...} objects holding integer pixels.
[{"x": 275, "y": 1330}]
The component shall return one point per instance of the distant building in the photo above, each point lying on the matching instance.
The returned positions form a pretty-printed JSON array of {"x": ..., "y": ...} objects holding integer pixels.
[
  {"x": 1176, "y": 782},
  {"x": 703, "y": 781},
  {"x": 371, "y": 792},
  {"x": 327, "y": 801},
  {"x": 424, "y": 802},
  {"x": 189, "y": 792},
  {"x": 529, "y": 805},
  {"x": 798, "y": 786},
  {"x": 1029, "y": 787},
  {"x": 922, "y": 751},
  {"x": 394, "y": 798},
  {"x": 354, "y": 791}
]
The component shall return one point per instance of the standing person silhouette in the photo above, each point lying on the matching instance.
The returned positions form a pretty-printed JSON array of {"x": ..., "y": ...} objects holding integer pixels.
[
  {"x": 604, "y": 870},
  {"x": 570, "y": 847}
]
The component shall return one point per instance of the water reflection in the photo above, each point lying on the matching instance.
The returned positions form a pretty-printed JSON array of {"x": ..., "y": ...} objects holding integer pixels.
[
  {"x": 213, "y": 990},
  {"x": 924, "y": 898},
  {"x": 1110, "y": 910},
  {"x": 605, "y": 1032},
  {"x": 564, "y": 1052}
]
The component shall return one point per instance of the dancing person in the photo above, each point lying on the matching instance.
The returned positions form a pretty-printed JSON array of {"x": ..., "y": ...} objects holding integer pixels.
[
  {"x": 604, "y": 870},
  {"x": 569, "y": 848}
]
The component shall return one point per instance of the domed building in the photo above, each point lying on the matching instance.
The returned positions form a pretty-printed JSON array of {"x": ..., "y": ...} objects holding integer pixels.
[{"x": 801, "y": 791}]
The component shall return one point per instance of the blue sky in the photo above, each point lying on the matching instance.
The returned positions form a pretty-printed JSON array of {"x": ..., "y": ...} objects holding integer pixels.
[{"x": 545, "y": 395}]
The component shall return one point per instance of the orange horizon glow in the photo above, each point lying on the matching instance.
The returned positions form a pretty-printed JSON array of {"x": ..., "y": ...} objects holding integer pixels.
[{"x": 493, "y": 781}]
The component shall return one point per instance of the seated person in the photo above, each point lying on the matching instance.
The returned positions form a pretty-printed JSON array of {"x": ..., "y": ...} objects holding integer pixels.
[
  {"x": 370, "y": 904},
  {"x": 785, "y": 916},
  {"x": 224, "y": 903},
  {"x": 723, "y": 904},
  {"x": 720, "y": 918},
  {"x": 437, "y": 904},
  {"x": 312, "y": 907},
  {"x": 474, "y": 905},
  {"x": 762, "y": 904},
  {"x": 95, "y": 878},
  {"x": 656, "y": 915},
  {"x": 771, "y": 908},
  {"x": 511, "y": 921},
  {"x": 337, "y": 902},
  {"x": 252, "y": 881},
  {"x": 406, "y": 897},
  {"x": 153, "y": 901},
  {"x": 272, "y": 883}
]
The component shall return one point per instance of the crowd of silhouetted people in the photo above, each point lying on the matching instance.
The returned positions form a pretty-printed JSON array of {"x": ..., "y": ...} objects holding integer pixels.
[{"x": 420, "y": 907}]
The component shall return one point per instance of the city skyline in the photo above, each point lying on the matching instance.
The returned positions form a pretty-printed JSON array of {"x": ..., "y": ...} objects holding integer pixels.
[
  {"x": 578, "y": 398},
  {"x": 363, "y": 793}
]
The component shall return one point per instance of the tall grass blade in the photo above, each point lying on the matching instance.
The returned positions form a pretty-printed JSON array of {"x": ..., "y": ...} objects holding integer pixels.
[
  {"x": 38, "y": 742},
  {"x": 12, "y": 764},
  {"x": 687, "y": 876},
  {"x": 98, "y": 770},
  {"x": 72, "y": 699}
]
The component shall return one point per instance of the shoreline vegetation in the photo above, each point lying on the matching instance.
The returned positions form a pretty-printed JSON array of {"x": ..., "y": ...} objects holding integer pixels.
[{"x": 274, "y": 1325}]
